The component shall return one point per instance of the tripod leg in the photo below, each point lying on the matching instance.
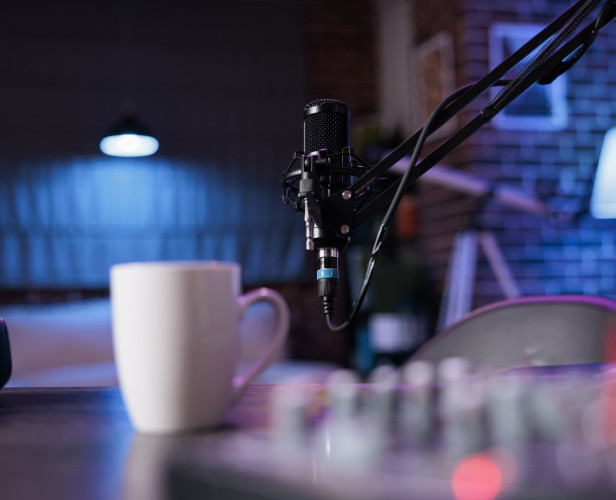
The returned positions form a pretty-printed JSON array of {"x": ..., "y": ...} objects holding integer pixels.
[
  {"x": 499, "y": 265},
  {"x": 460, "y": 281}
]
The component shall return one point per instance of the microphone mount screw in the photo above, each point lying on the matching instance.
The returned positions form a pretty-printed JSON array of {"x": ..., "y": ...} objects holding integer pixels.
[
  {"x": 344, "y": 229},
  {"x": 347, "y": 195}
]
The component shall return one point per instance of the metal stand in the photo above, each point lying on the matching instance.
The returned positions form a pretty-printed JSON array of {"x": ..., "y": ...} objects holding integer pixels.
[{"x": 460, "y": 281}]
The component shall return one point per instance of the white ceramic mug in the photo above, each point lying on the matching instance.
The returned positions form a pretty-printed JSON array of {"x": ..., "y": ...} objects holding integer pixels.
[{"x": 176, "y": 341}]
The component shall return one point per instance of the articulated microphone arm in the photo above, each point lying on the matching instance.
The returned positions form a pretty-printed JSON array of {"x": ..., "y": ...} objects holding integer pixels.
[
  {"x": 331, "y": 214},
  {"x": 469, "y": 94}
]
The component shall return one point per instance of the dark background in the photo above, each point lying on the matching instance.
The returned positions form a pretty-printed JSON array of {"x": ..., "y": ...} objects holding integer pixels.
[{"x": 222, "y": 85}]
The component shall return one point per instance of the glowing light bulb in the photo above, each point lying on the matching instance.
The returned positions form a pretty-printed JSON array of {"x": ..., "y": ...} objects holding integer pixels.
[{"x": 131, "y": 145}]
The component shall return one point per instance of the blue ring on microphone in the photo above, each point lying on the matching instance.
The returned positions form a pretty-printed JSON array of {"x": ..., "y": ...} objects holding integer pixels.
[{"x": 328, "y": 273}]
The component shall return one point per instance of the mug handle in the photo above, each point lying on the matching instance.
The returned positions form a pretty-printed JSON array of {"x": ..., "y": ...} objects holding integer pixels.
[{"x": 283, "y": 321}]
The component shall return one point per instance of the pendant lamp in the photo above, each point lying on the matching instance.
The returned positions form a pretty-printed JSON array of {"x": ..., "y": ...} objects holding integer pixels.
[{"x": 129, "y": 137}]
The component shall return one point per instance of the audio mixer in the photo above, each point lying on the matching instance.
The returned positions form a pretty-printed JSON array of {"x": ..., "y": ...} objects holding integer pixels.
[{"x": 422, "y": 432}]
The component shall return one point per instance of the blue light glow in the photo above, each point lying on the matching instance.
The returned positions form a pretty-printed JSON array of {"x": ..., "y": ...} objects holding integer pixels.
[
  {"x": 129, "y": 145},
  {"x": 603, "y": 199},
  {"x": 65, "y": 222}
]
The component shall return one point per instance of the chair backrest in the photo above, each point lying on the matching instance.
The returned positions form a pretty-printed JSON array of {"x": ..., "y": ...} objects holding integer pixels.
[{"x": 528, "y": 331}]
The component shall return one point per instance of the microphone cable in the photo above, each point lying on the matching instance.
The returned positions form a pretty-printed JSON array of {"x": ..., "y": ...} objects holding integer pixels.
[{"x": 387, "y": 218}]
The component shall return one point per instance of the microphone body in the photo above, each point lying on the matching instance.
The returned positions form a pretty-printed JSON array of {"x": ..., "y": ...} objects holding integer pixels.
[{"x": 326, "y": 154}]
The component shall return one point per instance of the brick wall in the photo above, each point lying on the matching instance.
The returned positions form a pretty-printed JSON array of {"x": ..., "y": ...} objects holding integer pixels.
[
  {"x": 546, "y": 256},
  {"x": 342, "y": 53},
  {"x": 443, "y": 212}
]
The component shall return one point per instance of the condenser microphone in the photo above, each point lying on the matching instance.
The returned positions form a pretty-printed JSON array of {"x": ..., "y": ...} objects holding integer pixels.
[
  {"x": 326, "y": 145},
  {"x": 326, "y": 126}
]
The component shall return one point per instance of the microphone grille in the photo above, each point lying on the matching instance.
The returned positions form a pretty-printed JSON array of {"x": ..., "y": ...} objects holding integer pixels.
[{"x": 326, "y": 125}]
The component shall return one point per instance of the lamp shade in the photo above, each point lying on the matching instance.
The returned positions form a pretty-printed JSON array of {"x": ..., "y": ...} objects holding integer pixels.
[
  {"x": 129, "y": 138},
  {"x": 603, "y": 197}
]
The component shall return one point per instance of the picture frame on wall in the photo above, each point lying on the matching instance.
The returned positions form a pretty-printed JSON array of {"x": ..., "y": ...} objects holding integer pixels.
[
  {"x": 435, "y": 80},
  {"x": 541, "y": 107}
]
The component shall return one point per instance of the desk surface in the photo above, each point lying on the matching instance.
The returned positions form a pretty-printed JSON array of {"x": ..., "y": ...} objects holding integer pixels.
[
  {"x": 79, "y": 444},
  {"x": 62, "y": 443}
]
